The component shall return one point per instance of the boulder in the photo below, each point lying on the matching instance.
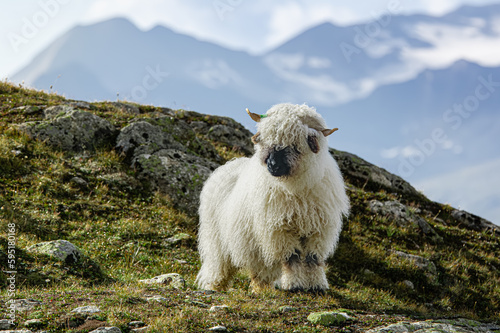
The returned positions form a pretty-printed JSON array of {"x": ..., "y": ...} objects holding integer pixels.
[
  {"x": 420, "y": 262},
  {"x": 328, "y": 318},
  {"x": 70, "y": 129},
  {"x": 445, "y": 326},
  {"x": 59, "y": 249},
  {"x": 474, "y": 222},
  {"x": 173, "y": 280}
]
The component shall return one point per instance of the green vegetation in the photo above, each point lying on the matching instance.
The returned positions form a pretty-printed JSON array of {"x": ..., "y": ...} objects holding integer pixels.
[{"x": 123, "y": 231}]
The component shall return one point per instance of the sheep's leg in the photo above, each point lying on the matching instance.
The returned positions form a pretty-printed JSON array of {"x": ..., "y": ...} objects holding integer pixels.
[
  {"x": 303, "y": 273},
  {"x": 216, "y": 274}
]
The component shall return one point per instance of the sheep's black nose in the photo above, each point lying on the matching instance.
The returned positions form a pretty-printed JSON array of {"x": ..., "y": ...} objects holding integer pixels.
[{"x": 277, "y": 163}]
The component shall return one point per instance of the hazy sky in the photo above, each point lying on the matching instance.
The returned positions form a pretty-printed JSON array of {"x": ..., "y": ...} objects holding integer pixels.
[{"x": 28, "y": 26}]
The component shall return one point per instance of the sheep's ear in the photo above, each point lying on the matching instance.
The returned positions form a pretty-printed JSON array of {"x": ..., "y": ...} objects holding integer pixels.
[
  {"x": 327, "y": 132},
  {"x": 256, "y": 138},
  {"x": 312, "y": 141},
  {"x": 256, "y": 117}
]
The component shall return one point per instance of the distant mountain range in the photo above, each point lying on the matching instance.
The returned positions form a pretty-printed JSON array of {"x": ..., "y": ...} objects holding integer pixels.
[{"x": 418, "y": 95}]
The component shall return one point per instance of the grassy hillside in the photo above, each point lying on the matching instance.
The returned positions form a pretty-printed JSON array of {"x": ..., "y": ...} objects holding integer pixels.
[{"x": 94, "y": 200}]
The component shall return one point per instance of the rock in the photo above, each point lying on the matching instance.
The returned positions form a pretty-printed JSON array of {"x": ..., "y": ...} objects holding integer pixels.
[
  {"x": 140, "y": 330},
  {"x": 79, "y": 182},
  {"x": 235, "y": 137},
  {"x": 5, "y": 324},
  {"x": 70, "y": 129},
  {"x": 90, "y": 309},
  {"x": 286, "y": 308},
  {"x": 27, "y": 109},
  {"x": 156, "y": 298},
  {"x": 17, "y": 331},
  {"x": 328, "y": 318},
  {"x": 403, "y": 216},
  {"x": 59, "y": 249},
  {"x": 217, "y": 308},
  {"x": 24, "y": 304},
  {"x": 177, "y": 238},
  {"x": 107, "y": 330},
  {"x": 365, "y": 175},
  {"x": 176, "y": 174},
  {"x": 445, "y": 326},
  {"x": 33, "y": 323},
  {"x": 474, "y": 222},
  {"x": 126, "y": 108},
  {"x": 408, "y": 284},
  {"x": 173, "y": 280},
  {"x": 219, "y": 328},
  {"x": 136, "y": 324},
  {"x": 422, "y": 263},
  {"x": 141, "y": 138}
]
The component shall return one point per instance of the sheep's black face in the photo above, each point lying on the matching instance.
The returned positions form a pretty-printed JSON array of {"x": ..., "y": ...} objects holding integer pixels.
[{"x": 279, "y": 161}]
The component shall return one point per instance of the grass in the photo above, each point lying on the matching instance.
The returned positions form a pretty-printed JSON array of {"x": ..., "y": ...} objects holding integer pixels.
[{"x": 122, "y": 229}]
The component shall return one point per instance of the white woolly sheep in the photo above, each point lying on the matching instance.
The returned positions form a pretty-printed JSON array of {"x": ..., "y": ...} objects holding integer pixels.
[{"x": 278, "y": 214}]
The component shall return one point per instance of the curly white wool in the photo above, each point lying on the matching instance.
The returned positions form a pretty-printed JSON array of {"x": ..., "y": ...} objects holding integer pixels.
[{"x": 279, "y": 229}]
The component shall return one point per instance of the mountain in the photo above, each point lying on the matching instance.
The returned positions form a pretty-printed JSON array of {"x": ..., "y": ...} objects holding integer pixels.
[{"x": 387, "y": 84}]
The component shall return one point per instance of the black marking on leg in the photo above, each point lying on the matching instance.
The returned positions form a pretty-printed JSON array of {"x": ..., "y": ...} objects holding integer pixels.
[
  {"x": 312, "y": 259},
  {"x": 294, "y": 258}
]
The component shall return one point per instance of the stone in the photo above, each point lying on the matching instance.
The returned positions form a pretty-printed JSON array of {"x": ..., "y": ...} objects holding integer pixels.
[
  {"x": 79, "y": 182},
  {"x": 218, "y": 308},
  {"x": 218, "y": 328},
  {"x": 328, "y": 318},
  {"x": 403, "y": 216},
  {"x": 140, "y": 330},
  {"x": 126, "y": 108},
  {"x": 33, "y": 323},
  {"x": 59, "y": 249},
  {"x": 107, "y": 330},
  {"x": 286, "y": 308},
  {"x": 474, "y": 222},
  {"x": 70, "y": 129},
  {"x": 408, "y": 284},
  {"x": 173, "y": 280},
  {"x": 176, "y": 174},
  {"x": 27, "y": 109},
  {"x": 370, "y": 177},
  {"x": 156, "y": 298},
  {"x": 90, "y": 309},
  {"x": 142, "y": 137},
  {"x": 235, "y": 137},
  {"x": 177, "y": 238},
  {"x": 24, "y": 304},
  {"x": 420, "y": 262},
  {"x": 5, "y": 324},
  {"x": 17, "y": 331},
  {"x": 136, "y": 324},
  {"x": 444, "y": 326}
]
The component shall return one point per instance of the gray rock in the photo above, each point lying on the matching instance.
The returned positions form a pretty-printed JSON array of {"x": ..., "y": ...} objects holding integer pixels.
[
  {"x": 27, "y": 109},
  {"x": 33, "y": 323},
  {"x": 176, "y": 174},
  {"x": 219, "y": 308},
  {"x": 24, "y": 304},
  {"x": 59, "y": 249},
  {"x": 286, "y": 308},
  {"x": 408, "y": 284},
  {"x": 136, "y": 324},
  {"x": 107, "y": 330},
  {"x": 5, "y": 324},
  {"x": 445, "y": 326},
  {"x": 173, "y": 280},
  {"x": 90, "y": 309},
  {"x": 126, "y": 107},
  {"x": 140, "y": 330},
  {"x": 17, "y": 331},
  {"x": 232, "y": 136},
  {"x": 365, "y": 175},
  {"x": 474, "y": 222},
  {"x": 141, "y": 137},
  {"x": 156, "y": 298},
  {"x": 218, "y": 328},
  {"x": 328, "y": 318},
  {"x": 420, "y": 262},
  {"x": 177, "y": 238},
  {"x": 403, "y": 217},
  {"x": 80, "y": 182},
  {"x": 70, "y": 129}
]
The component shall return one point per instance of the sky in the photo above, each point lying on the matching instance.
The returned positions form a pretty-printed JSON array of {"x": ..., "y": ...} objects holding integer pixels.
[{"x": 29, "y": 26}]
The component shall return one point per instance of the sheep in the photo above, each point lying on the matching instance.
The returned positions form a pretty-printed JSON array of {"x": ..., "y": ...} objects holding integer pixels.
[{"x": 277, "y": 214}]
